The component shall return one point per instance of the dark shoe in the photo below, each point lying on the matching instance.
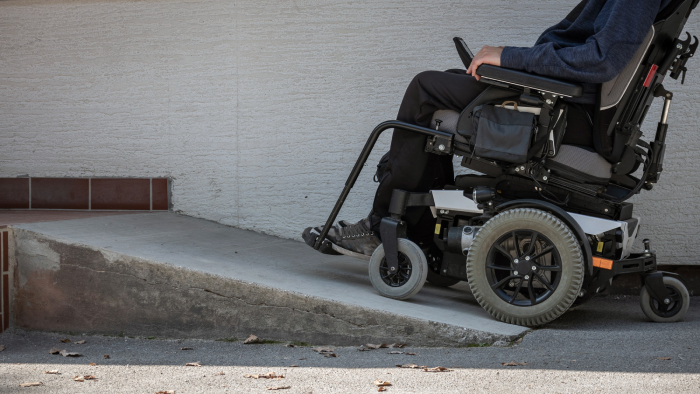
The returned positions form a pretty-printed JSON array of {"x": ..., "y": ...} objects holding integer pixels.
[{"x": 356, "y": 238}]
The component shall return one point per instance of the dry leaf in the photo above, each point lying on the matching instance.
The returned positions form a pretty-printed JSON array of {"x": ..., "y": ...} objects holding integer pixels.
[
  {"x": 93, "y": 364},
  {"x": 518, "y": 341},
  {"x": 381, "y": 389},
  {"x": 106, "y": 356},
  {"x": 663, "y": 358},
  {"x": 55, "y": 350},
  {"x": 289, "y": 345},
  {"x": 82, "y": 378},
  {"x": 65, "y": 340},
  {"x": 194, "y": 364},
  {"x": 413, "y": 366},
  {"x": 220, "y": 373},
  {"x": 65, "y": 353},
  {"x": 381, "y": 383},
  {"x": 52, "y": 372},
  {"x": 269, "y": 375},
  {"x": 323, "y": 350},
  {"x": 398, "y": 345},
  {"x": 186, "y": 348},
  {"x": 252, "y": 339},
  {"x": 32, "y": 384},
  {"x": 411, "y": 354},
  {"x": 165, "y": 392},
  {"x": 2, "y": 347},
  {"x": 513, "y": 364},
  {"x": 330, "y": 355},
  {"x": 279, "y": 388},
  {"x": 437, "y": 369},
  {"x": 293, "y": 366},
  {"x": 80, "y": 342},
  {"x": 395, "y": 352}
]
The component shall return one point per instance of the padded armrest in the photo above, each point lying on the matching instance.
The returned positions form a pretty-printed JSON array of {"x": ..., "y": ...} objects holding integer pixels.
[{"x": 532, "y": 81}]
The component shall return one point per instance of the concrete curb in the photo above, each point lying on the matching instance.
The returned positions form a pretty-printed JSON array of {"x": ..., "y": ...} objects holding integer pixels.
[{"x": 64, "y": 286}]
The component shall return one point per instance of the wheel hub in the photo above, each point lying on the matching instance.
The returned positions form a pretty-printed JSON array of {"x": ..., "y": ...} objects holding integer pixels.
[{"x": 524, "y": 267}]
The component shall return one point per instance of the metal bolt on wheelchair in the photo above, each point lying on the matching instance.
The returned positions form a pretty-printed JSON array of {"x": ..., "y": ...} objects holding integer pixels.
[{"x": 546, "y": 225}]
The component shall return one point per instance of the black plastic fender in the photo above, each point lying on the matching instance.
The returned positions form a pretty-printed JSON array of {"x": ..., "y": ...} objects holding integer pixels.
[{"x": 563, "y": 216}]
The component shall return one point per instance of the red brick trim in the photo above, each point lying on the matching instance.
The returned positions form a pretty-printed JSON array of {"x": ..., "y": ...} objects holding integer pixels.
[{"x": 140, "y": 194}]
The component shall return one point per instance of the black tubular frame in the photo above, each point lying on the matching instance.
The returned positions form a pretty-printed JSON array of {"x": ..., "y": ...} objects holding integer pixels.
[{"x": 364, "y": 155}]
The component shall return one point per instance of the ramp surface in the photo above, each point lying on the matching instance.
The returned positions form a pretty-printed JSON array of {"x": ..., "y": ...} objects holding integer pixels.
[{"x": 181, "y": 276}]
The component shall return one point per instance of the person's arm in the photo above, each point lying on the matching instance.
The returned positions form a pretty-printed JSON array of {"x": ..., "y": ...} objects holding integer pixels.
[{"x": 619, "y": 31}]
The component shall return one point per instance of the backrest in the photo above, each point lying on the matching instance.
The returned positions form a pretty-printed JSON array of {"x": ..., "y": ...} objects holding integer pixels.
[{"x": 624, "y": 101}]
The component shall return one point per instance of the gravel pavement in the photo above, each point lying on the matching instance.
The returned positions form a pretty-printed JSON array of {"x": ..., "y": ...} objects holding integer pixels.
[{"x": 605, "y": 346}]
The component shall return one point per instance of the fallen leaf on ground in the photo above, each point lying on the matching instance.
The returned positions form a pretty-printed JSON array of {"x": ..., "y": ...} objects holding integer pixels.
[
  {"x": 186, "y": 348},
  {"x": 269, "y": 375},
  {"x": 220, "y": 373},
  {"x": 252, "y": 339},
  {"x": 513, "y": 364},
  {"x": 52, "y": 372},
  {"x": 2, "y": 347},
  {"x": 395, "y": 352},
  {"x": 279, "y": 388},
  {"x": 289, "y": 345},
  {"x": 32, "y": 384},
  {"x": 330, "y": 355},
  {"x": 293, "y": 366},
  {"x": 437, "y": 369},
  {"x": 82, "y": 378},
  {"x": 663, "y": 358},
  {"x": 93, "y": 364},
  {"x": 414, "y": 366},
  {"x": 323, "y": 350},
  {"x": 80, "y": 342},
  {"x": 381, "y": 383},
  {"x": 398, "y": 345},
  {"x": 303, "y": 358},
  {"x": 165, "y": 392},
  {"x": 65, "y": 353},
  {"x": 55, "y": 350},
  {"x": 65, "y": 340},
  {"x": 381, "y": 389},
  {"x": 518, "y": 341},
  {"x": 194, "y": 364},
  {"x": 106, "y": 356},
  {"x": 411, "y": 354}
]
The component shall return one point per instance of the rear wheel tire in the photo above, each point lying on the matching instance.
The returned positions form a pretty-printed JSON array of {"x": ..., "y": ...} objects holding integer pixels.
[
  {"x": 675, "y": 311},
  {"x": 501, "y": 261},
  {"x": 413, "y": 271}
]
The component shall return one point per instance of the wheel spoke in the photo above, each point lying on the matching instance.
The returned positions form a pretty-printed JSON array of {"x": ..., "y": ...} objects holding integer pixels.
[
  {"x": 533, "y": 242},
  {"x": 549, "y": 267},
  {"x": 544, "y": 281},
  {"x": 517, "y": 291},
  {"x": 544, "y": 251},
  {"x": 518, "y": 252},
  {"x": 496, "y": 267},
  {"x": 500, "y": 283},
  {"x": 531, "y": 291},
  {"x": 504, "y": 252}
]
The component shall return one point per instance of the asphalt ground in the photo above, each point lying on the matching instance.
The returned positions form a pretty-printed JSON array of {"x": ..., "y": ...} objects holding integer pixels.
[{"x": 604, "y": 346}]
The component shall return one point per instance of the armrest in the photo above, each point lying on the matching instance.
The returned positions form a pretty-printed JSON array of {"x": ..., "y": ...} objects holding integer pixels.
[{"x": 527, "y": 80}]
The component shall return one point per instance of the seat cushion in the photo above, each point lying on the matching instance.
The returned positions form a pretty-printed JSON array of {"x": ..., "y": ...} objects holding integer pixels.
[{"x": 581, "y": 164}]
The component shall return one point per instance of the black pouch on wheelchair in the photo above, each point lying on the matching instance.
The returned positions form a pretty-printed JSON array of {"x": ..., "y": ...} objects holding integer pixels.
[{"x": 503, "y": 134}]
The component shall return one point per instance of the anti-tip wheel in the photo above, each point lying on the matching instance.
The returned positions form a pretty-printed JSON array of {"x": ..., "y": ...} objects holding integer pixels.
[
  {"x": 525, "y": 267},
  {"x": 674, "y": 310},
  {"x": 410, "y": 278}
]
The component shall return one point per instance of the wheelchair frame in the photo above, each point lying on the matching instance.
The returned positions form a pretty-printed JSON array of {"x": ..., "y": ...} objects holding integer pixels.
[{"x": 595, "y": 218}]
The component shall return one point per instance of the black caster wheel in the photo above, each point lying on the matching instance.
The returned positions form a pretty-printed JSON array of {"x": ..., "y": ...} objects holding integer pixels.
[
  {"x": 525, "y": 267},
  {"x": 434, "y": 256},
  {"x": 410, "y": 278},
  {"x": 672, "y": 309}
]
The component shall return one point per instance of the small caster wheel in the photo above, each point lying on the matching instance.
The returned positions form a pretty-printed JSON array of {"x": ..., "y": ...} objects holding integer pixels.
[
  {"x": 410, "y": 278},
  {"x": 674, "y": 310}
]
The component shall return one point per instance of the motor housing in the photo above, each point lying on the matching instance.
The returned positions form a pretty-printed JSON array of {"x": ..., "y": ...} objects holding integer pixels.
[{"x": 460, "y": 238}]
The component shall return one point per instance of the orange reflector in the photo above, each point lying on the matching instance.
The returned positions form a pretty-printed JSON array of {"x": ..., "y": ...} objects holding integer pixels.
[{"x": 602, "y": 263}]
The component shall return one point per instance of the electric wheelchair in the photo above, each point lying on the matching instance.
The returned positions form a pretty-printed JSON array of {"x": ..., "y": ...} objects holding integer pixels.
[{"x": 545, "y": 225}]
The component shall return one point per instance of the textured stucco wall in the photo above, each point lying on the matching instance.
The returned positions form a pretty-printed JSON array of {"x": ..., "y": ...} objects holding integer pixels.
[{"x": 258, "y": 108}]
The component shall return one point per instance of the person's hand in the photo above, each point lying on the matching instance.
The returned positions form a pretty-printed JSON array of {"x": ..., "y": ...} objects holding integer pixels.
[{"x": 487, "y": 55}]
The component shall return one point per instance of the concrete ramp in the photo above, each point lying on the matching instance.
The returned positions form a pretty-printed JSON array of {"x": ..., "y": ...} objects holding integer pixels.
[{"x": 166, "y": 275}]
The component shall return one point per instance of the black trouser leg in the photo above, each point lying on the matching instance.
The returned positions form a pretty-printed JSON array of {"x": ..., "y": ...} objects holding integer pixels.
[{"x": 410, "y": 167}]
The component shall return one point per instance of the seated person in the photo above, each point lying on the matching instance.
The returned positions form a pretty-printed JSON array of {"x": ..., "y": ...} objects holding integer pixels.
[{"x": 591, "y": 46}]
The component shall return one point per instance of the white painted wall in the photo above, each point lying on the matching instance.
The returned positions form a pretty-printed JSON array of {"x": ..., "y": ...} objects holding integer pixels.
[{"x": 258, "y": 108}]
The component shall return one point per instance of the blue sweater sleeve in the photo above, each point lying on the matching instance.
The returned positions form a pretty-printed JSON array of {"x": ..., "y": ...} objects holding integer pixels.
[{"x": 618, "y": 31}]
